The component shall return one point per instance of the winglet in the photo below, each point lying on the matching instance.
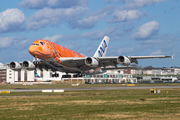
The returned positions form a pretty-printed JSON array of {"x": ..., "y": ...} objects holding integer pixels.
[
  {"x": 101, "y": 51},
  {"x": 172, "y": 57}
]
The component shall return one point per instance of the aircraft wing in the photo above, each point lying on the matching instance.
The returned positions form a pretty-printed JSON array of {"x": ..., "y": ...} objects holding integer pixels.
[
  {"x": 84, "y": 63},
  {"x": 125, "y": 60}
]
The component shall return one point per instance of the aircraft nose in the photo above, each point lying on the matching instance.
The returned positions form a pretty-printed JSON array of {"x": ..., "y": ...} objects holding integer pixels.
[{"x": 31, "y": 50}]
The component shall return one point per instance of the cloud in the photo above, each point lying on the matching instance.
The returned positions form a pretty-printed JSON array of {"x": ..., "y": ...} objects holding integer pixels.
[
  {"x": 134, "y": 4},
  {"x": 88, "y": 22},
  {"x": 11, "y": 20},
  {"x": 159, "y": 52},
  {"x": 54, "y": 16},
  {"x": 125, "y": 15},
  {"x": 95, "y": 35},
  {"x": 124, "y": 50},
  {"x": 117, "y": 32},
  {"x": 53, "y": 38},
  {"x": 14, "y": 42},
  {"x": 161, "y": 44},
  {"x": 21, "y": 42},
  {"x": 38, "y": 4},
  {"x": 114, "y": 1},
  {"x": 98, "y": 34},
  {"x": 146, "y": 30},
  {"x": 5, "y": 42}
]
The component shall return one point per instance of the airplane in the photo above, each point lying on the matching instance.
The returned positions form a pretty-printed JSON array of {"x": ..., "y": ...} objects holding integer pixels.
[{"x": 49, "y": 55}]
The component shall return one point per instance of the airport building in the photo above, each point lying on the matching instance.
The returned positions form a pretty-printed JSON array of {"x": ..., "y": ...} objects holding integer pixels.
[
  {"x": 2, "y": 73},
  {"x": 156, "y": 71},
  {"x": 11, "y": 76},
  {"x": 8, "y": 75},
  {"x": 118, "y": 76},
  {"x": 111, "y": 76},
  {"x": 157, "y": 79}
]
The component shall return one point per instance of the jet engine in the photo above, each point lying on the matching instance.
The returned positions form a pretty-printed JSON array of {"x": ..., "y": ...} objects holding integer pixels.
[
  {"x": 91, "y": 62},
  {"x": 15, "y": 66},
  {"x": 123, "y": 60},
  {"x": 28, "y": 65}
]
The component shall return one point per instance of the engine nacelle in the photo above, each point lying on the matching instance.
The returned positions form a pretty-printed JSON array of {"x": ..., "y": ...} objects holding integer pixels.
[
  {"x": 28, "y": 65},
  {"x": 123, "y": 60},
  {"x": 91, "y": 62},
  {"x": 15, "y": 66}
]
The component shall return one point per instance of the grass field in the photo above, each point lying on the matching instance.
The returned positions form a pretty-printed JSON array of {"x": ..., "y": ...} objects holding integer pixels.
[
  {"x": 91, "y": 104},
  {"x": 20, "y": 86}
]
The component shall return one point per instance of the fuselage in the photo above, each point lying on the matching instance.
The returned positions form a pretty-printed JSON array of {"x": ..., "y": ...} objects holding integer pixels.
[
  {"x": 51, "y": 53},
  {"x": 44, "y": 49}
]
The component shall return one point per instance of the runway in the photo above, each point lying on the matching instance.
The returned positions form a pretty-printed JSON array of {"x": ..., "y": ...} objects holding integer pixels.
[{"x": 89, "y": 88}]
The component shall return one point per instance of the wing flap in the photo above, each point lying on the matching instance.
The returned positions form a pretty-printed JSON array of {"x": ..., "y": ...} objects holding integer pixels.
[
  {"x": 148, "y": 57},
  {"x": 122, "y": 67}
]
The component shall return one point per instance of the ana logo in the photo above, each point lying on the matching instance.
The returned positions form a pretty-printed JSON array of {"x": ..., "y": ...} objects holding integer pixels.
[{"x": 102, "y": 49}]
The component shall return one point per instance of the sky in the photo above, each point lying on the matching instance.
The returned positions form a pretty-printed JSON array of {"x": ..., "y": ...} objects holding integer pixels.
[{"x": 135, "y": 27}]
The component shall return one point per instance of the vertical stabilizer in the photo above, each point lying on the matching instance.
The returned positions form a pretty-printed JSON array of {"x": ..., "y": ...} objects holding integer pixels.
[{"x": 101, "y": 51}]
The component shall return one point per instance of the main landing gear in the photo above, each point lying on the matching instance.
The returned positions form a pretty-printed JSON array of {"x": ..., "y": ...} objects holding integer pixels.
[
  {"x": 74, "y": 76},
  {"x": 79, "y": 75},
  {"x": 66, "y": 76},
  {"x": 55, "y": 75}
]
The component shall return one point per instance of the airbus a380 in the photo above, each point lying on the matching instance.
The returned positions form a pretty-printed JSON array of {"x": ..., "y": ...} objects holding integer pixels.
[{"x": 58, "y": 58}]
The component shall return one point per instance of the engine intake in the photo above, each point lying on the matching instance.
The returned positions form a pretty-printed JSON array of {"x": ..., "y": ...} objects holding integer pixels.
[
  {"x": 28, "y": 65},
  {"x": 15, "y": 66},
  {"x": 91, "y": 62},
  {"x": 123, "y": 60}
]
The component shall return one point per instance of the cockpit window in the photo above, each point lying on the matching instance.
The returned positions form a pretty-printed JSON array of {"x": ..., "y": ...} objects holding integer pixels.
[
  {"x": 35, "y": 44},
  {"x": 42, "y": 43}
]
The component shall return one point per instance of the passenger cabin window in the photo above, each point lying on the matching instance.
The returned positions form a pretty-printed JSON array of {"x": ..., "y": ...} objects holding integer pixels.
[{"x": 42, "y": 43}]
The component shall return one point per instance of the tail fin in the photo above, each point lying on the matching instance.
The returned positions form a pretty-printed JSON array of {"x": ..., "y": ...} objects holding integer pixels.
[{"x": 101, "y": 51}]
